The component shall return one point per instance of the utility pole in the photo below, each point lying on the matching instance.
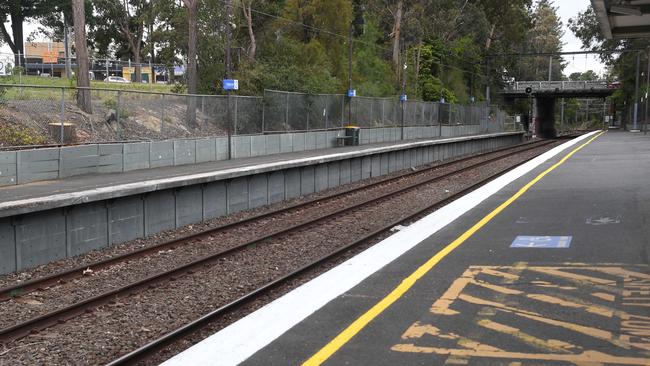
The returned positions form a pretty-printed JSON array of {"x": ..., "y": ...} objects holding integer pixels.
[
  {"x": 550, "y": 67},
  {"x": 635, "y": 124},
  {"x": 228, "y": 65},
  {"x": 350, "y": 51}
]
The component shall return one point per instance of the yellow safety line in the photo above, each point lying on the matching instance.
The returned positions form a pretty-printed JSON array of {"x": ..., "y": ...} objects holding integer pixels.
[{"x": 344, "y": 337}]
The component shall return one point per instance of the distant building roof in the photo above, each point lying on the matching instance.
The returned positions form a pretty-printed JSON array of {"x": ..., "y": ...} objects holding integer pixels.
[{"x": 623, "y": 18}]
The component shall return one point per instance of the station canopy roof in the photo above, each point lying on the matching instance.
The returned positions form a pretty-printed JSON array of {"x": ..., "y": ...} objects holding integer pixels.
[{"x": 623, "y": 18}]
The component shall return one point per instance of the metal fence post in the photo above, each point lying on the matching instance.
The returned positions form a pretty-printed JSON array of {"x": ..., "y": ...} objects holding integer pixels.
[
  {"x": 325, "y": 111},
  {"x": 286, "y": 112},
  {"x": 162, "y": 114},
  {"x": 263, "y": 110},
  {"x": 117, "y": 112},
  {"x": 236, "y": 115},
  {"x": 62, "y": 115},
  {"x": 343, "y": 112}
]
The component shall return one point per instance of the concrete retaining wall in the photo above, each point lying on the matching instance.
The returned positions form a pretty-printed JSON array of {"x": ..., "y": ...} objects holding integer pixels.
[
  {"x": 30, "y": 239},
  {"x": 24, "y": 166}
]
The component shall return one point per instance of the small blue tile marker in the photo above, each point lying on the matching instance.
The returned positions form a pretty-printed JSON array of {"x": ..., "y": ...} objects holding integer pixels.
[{"x": 524, "y": 241}]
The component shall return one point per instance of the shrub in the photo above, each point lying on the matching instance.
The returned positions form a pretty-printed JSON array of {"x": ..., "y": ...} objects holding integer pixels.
[
  {"x": 111, "y": 103},
  {"x": 16, "y": 135}
]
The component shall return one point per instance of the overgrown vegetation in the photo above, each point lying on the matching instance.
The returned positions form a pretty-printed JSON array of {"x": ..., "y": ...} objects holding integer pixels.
[{"x": 17, "y": 135}]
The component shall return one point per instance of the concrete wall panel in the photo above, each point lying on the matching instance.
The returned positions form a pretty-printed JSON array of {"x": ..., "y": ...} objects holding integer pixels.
[
  {"x": 258, "y": 145},
  {"x": 375, "y": 165},
  {"x": 292, "y": 182},
  {"x": 345, "y": 172},
  {"x": 272, "y": 144},
  {"x": 136, "y": 156},
  {"x": 356, "y": 169},
  {"x": 160, "y": 211},
  {"x": 333, "y": 174},
  {"x": 189, "y": 205},
  {"x": 161, "y": 153},
  {"x": 241, "y": 146},
  {"x": 110, "y": 158},
  {"x": 258, "y": 190},
  {"x": 310, "y": 140},
  {"x": 321, "y": 177},
  {"x": 299, "y": 141},
  {"x": 222, "y": 148},
  {"x": 206, "y": 150},
  {"x": 126, "y": 219},
  {"x": 78, "y": 160},
  {"x": 383, "y": 164},
  {"x": 184, "y": 152},
  {"x": 276, "y": 187},
  {"x": 40, "y": 238},
  {"x": 286, "y": 142},
  {"x": 366, "y": 167},
  {"x": 87, "y": 228},
  {"x": 237, "y": 195},
  {"x": 7, "y": 246},
  {"x": 41, "y": 164},
  {"x": 215, "y": 200},
  {"x": 321, "y": 140},
  {"x": 8, "y": 173},
  {"x": 307, "y": 180}
]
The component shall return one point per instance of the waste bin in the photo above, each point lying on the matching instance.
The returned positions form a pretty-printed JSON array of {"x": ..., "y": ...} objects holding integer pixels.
[{"x": 352, "y": 134}]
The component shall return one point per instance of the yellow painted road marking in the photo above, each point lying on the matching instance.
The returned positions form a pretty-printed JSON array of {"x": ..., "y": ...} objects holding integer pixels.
[
  {"x": 353, "y": 329},
  {"x": 588, "y": 357}
]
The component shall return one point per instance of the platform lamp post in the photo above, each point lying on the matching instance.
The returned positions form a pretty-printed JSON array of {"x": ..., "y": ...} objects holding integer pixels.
[
  {"x": 647, "y": 87},
  {"x": 351, "y": 92},
  {"x": 635, "y": 125},
  {"x": 402, "y": 97}
]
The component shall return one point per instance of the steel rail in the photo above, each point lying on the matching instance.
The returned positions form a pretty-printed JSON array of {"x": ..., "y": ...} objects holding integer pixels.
[
  {"x": 61, "y": 315},
  {"x": 169, "y": 338},
  {"x": 26, "y": 287}
]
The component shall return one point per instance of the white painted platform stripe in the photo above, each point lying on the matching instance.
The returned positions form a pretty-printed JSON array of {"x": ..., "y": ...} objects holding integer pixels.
[{"x": 237, "y": 342}]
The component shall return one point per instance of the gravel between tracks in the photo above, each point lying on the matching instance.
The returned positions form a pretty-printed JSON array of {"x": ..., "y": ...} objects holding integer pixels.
[
  {"x": 49, "y": 299},
  {"x": 117, "y": 328}
]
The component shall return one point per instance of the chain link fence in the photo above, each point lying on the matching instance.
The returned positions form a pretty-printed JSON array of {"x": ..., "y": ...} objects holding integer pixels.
[{"x": 137, "y": 115}]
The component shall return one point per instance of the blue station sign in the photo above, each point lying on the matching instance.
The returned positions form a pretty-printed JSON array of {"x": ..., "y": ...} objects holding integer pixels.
[{"x": 230, "y": 84}]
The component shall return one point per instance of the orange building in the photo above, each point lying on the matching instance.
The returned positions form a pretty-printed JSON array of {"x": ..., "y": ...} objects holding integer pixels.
[{"x": 45, "y": 52}]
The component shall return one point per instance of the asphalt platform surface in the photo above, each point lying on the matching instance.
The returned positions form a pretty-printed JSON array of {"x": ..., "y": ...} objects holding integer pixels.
[{"x": 573, "y": 289}]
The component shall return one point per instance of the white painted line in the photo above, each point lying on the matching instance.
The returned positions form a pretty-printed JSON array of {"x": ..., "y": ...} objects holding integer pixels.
[
  {"x": 237, "y": 342},
  {"x": 153, "y": 184}
]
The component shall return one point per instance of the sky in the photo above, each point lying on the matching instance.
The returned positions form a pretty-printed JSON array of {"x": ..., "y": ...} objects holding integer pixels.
[
  {"x": 579, "y": 63},
  {"x": 566, "y": 10}
]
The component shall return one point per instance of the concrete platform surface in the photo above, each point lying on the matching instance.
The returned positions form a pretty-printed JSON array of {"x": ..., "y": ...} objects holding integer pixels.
[
  {"x": 551, "y": 269},
  {"x": 44, "y": 195}
]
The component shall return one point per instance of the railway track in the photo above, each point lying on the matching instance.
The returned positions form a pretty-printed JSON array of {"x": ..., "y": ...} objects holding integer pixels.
[
  {"x": 61, "y": 315},
  {"x": 158, "y": 344}
]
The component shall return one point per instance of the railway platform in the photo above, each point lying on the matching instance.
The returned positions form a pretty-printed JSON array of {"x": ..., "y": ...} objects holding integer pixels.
[
  {"x": 49, "y": 220},
  {"x": 547, "y": 264}
]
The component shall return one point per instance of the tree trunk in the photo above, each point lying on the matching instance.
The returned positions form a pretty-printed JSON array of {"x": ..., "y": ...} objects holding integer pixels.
[
  {"x": 488, "y": 42},
  {"x": 17, "y": 46},
  {"x": 191, "y": 61},
  {"x": 417, "y": 67},
  {"x": 83, "y": 79},
  {"x": 397, "y": 30},
  {"x": 248, "y": 14},
  {"x": 138, "y": 68}
]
